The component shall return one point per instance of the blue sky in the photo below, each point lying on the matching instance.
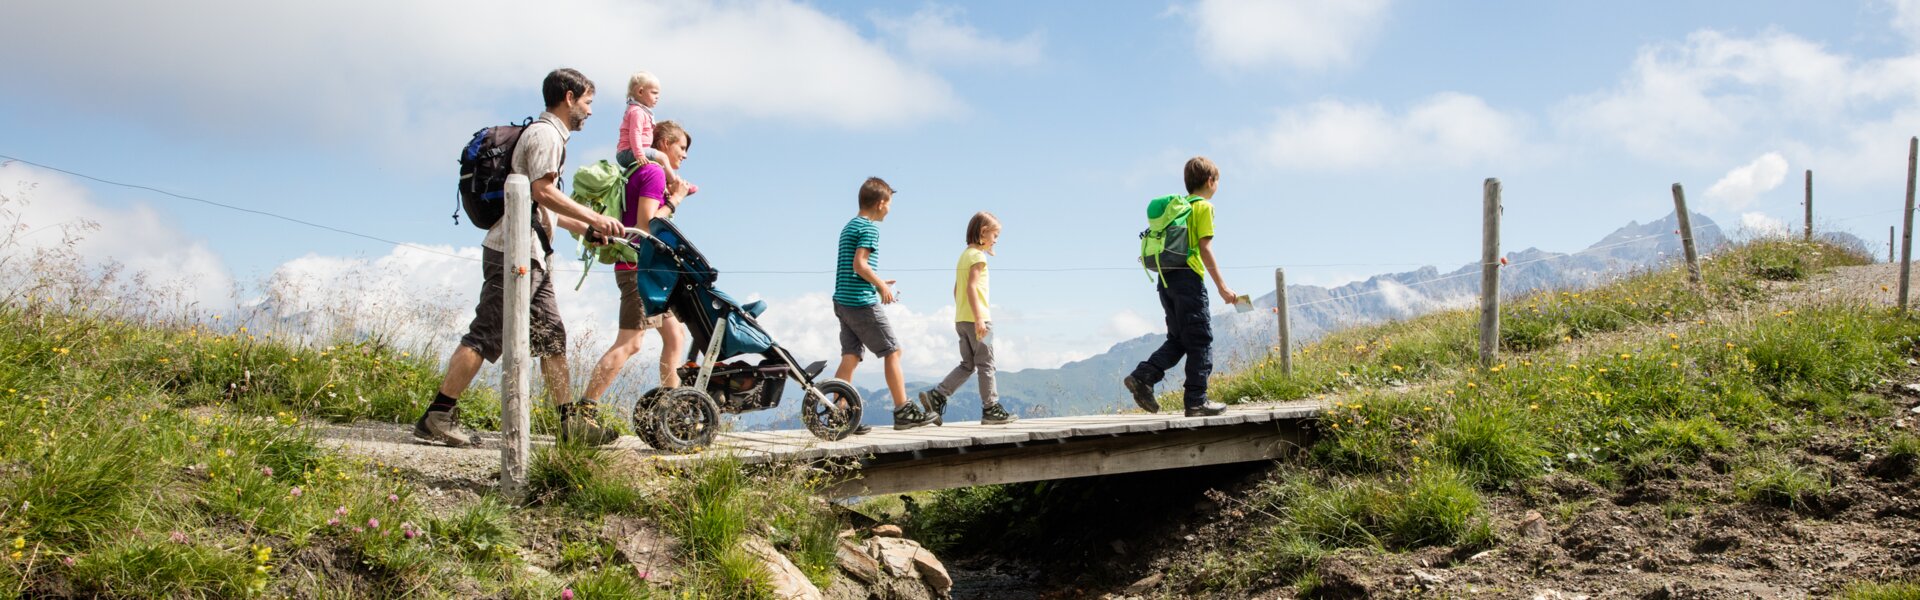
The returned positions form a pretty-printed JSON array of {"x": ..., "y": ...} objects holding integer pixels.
[{"x": 1353, "y": 135}]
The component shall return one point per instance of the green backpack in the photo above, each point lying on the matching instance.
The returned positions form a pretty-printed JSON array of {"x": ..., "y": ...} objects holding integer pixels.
[
  {"x": 1165, "y": 245},
  {"x": 602, "y": 188}
]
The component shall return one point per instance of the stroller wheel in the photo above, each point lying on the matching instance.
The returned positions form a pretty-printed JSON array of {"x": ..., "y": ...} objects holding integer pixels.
[
  {"x": 831, "y": 409},
  {"x": 684, "y": 420},
  {"x": 644, "y": 420}
]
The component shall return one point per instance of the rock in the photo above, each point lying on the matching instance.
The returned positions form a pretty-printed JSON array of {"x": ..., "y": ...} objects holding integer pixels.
[
  {"x": 933, "y": 573},
  {"x": 785, "y": 579},
  {"x": 1144, "y": 585},
  {"x": 891, "y": 531},
  {"x": 1428, "y": 578},
  {"x": 654, "y": 555},
  {"x": 1557, "y": 595},
  {"x": 895, "y": 554},
  {"x": 1482, "y": 555},
  {"x": 857, "y": 563},
  {"x": 1533, "y": 526}
]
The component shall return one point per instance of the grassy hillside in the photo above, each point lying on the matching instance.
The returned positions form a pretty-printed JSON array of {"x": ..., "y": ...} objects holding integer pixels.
[
  {"x": 144, "y": 456},
  {"x": 1717, "y": 397}
]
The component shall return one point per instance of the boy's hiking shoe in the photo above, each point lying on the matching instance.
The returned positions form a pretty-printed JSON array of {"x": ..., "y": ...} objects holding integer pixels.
[
  {"x": 441, "y": 427},
  {"x": 579, "y": 424},
  {"x": 936, "y": 403},
  {"x": 1206, "y": 410},
  {"x": 909, "y": 416},
  {"x": 996, "y": 415},
  {"x": 1142, "y": 394}
]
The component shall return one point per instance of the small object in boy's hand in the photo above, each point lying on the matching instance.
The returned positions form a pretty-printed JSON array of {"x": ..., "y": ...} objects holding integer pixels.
[{"x": 1243, "y": 303}]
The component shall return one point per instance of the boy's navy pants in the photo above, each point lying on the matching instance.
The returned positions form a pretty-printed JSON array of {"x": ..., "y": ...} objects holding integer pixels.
[{"x": 1183, "y": 296}]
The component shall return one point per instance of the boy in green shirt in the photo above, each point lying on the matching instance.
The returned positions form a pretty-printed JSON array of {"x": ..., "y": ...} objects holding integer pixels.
[
  {"x": 859, "y": 292},
  {"x": 1183, "y": 296}
]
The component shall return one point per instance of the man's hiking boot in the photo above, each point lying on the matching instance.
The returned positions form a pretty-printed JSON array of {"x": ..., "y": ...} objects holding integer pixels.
[
  {"x": 441, "y": 427},
  {"x": 579, "y": 424},
  {"x": 1206, "y": 410},
  {"x": 936, "y": 403},
  {"x": 909, "y": 416},
  {"x": 996, "y": 415},
  {"x": 1142, "y": 394}
]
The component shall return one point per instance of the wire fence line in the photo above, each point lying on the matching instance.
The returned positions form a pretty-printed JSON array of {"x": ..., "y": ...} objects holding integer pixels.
[{"x": 439, "y": 252}]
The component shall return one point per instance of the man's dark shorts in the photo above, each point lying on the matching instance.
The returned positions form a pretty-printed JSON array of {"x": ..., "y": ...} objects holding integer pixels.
[
  {"x": 864, "y": 326},
  {"x": 547, "y": 336}
]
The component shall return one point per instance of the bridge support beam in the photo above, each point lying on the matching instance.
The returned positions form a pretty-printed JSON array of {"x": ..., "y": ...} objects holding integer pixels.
[{"x": 1037, "y": 461}]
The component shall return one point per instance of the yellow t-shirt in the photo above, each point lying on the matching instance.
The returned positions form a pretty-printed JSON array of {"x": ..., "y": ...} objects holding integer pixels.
[
  {"x": 1199, "y": 227},
  {"x": 963, "y": 311}
]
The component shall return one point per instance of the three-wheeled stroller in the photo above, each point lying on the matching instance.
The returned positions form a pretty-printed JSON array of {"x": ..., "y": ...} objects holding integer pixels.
[{"x": 673, "y": 276}]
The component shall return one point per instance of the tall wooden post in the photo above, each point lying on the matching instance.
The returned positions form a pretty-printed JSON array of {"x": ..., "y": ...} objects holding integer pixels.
[
  {"x": 1686, "y": 234},
  {"x": 1809, "y": 205},
  {"x": 1906, "y": 232},
  {"x": 1280, "y": 312},
  {"x": 1490, "y": 273},
  {"x": 515, "y": 445}
]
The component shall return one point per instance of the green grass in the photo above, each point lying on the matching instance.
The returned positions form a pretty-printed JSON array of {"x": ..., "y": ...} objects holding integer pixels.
[{"x": 1893, "y": 590}]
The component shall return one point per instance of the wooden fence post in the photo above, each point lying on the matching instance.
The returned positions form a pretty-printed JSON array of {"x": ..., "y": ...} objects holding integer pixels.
[
  {"x": 1280, "y": 312},
  {"x": 1809, "y": 205},
  {"x": 1906, "y": 233},
  {"x": 1490, "y": 273},
  {"x": 514, "y": 385},
  {"x": 1686, "y": 234}
]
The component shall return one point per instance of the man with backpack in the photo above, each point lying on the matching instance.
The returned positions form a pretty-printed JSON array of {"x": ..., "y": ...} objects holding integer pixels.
[
  {"x": 1178, "y": 248},
  {"x": 538, "y": 153}
]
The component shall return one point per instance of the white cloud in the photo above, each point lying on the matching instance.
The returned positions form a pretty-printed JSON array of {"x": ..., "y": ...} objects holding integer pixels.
[
  {"x": 938, "y": 34},
  {"x": 410, "y": 78},
  {"x": 1739, "y": 187},
  {"x": 1715, "y": 95},
  {"x": 44, "y": 207},
  {"x": 1762, "y": 225},
  {"x": 1126, "y": 325},
  {"x": 1301, "y": 34},
  {"x": 1448, "y": 129}
]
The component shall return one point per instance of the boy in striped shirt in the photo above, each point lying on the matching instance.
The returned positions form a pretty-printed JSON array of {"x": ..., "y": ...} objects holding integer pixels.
[{"x": 859, "y": 292}]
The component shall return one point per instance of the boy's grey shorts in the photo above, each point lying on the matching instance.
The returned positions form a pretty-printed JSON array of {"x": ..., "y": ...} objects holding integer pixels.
[{"x": 864, "y": 326}]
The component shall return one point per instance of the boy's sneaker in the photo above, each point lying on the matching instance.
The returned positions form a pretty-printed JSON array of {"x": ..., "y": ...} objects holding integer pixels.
[
  {"x": 1142, "y": 394},
  {"x": 996, "y": 415},
  {"x": 936, "y": 403},
  {"x": 579, "y": 424},
  {"x": 1206, "y": 410},
  {"x": 909, "y": 416},
  {"x": 441, "y": 427}
]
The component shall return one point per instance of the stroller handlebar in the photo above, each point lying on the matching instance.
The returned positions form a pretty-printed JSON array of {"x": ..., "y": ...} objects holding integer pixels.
[{"x": 634, "y": 235}]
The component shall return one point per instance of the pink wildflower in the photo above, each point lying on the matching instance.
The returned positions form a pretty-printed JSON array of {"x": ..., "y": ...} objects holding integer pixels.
[
  {"x": 392, "y": 498},
  {"x": 177, "y": 537},
  {"x": 333, "y": 522},
  {"x": 66, "y": 560},
  {"x": 342, "y": 511},
  {"x": 373, "y": 523},
  {"x": 296, "y": 491},
  {"x": 566, "y": 594},
  {"x": 266, "y": 471},
  {"x": 357, "y": 529}
]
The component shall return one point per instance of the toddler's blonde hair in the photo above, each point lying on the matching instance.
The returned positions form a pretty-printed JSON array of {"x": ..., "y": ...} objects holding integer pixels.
[{"x": 641, "y": 80}]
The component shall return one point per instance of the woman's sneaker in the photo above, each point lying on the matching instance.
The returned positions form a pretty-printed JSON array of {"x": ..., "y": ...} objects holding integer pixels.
[
  {"x": 909, "y": 416},
  {"x": 936, "y": 403},
  {"x": 996, "y": 415},
  {"x": 579, "y": 423}
]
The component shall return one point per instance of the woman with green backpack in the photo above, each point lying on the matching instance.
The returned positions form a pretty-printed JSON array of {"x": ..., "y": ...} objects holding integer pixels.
[{"x": 648, "y": 194}]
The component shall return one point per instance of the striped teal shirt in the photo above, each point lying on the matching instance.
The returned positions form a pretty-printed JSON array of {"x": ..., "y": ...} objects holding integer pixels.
[{"x": 848, "y": 288}]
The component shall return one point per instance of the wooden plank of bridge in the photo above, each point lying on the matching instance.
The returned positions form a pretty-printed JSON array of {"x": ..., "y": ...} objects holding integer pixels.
[{"x": 1171, "y": 449}]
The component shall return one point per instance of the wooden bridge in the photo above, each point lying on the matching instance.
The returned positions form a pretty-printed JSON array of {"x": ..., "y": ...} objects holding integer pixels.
[
  {"x": 969, "y": 453},
  {"x": 932, "y": 457}
]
